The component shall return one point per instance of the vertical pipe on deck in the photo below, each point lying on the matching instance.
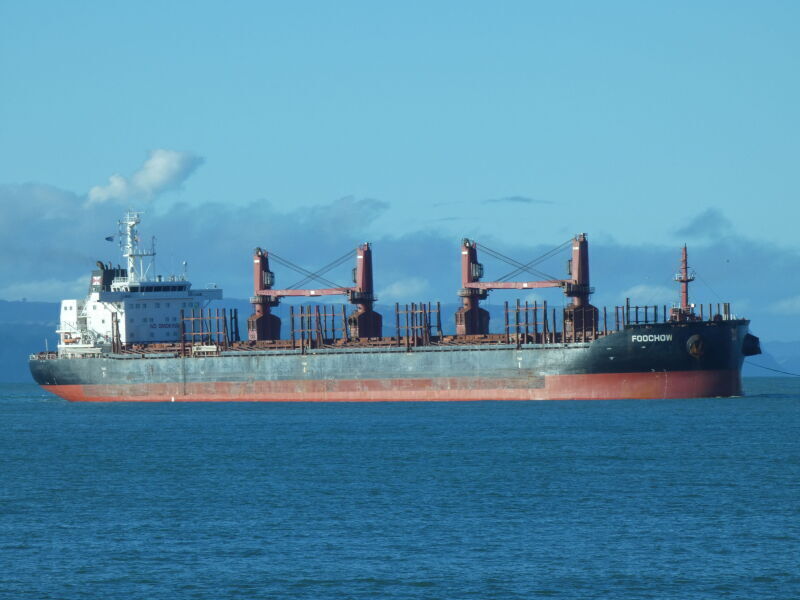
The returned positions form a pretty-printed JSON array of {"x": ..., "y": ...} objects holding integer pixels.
[
  {"x": 545, "y": 328},
  {"x": 414, "y": 323},
  {"x": 225, "y": 341},
  {"x": 426, "y": 325},
  {"x": 301, "y": 325},
  {"x": 426, "y": 321},
  {"x": 305, "y": 339},
  {"x": 318, "y": 326},
  {"x": 583, "y": 329},
  {"x": 310, "y": 326},
  {"x": 421, "y": 323},
  {"x": 183, "y": 335},
  {"x": 291, "y": 320},
  {"x": 526, "y": 322},
  {"x": 408, "y": 336},
  {"x": 508, "y": 337},
  {"x": 397, "y": 321},
  {"x": 439, "y": 320},
  {"x": 306, "y": 318},
  {"x": 555, "y": 326}
]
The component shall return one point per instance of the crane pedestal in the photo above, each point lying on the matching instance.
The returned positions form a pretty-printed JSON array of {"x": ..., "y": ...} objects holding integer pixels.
[
  {"x": 262, "y": 324},
  {"x": 365, "y": 324},
  {"x": 471, "y": 319}
]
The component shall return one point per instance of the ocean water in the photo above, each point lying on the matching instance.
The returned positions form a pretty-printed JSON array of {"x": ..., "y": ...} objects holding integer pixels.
[{"x": 635, "y": 499}]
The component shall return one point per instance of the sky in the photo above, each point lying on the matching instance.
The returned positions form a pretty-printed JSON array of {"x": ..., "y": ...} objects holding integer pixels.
[{"x": 310, "y": 127}]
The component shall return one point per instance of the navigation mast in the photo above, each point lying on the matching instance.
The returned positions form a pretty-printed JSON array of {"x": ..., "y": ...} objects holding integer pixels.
[{"x": 129, "y": 242}]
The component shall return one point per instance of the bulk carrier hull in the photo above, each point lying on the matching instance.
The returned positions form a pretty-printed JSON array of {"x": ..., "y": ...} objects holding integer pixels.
[{"x": 662, "y": 360}]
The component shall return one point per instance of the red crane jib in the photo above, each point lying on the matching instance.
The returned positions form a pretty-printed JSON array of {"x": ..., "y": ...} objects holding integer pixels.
[
  {"x": 514, "y": 285},
  {"x": 322, "y": 292}
]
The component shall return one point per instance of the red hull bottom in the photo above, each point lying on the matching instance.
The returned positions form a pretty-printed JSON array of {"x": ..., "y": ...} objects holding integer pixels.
[{"x": 601, "y": 386}]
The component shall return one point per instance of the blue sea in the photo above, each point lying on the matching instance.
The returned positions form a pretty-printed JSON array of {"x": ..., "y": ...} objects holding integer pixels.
[{"x": 620, "y": 499}]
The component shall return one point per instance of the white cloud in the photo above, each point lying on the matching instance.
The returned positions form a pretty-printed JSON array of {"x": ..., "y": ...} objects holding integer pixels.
[
  {"x": 787, "y": 306},
  {"x": 404, "y": 290},
  {"x": 644, "y": 294},
  {"x": 163, "y": 170},
  {"x": 533, "y": 298}
]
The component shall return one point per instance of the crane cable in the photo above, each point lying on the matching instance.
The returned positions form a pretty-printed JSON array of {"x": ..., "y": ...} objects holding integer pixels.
[
  {"x": 527, "y": 266},
  {"x": 514, "y": 263},
  {"x": 323, "y": 270},
  {"x": 301, "y": 270},
  {"x": 540, "y": 259}
]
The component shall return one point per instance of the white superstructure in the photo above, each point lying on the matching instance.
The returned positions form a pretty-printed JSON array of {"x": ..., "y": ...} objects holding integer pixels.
[{"x": 131, "y": 303}]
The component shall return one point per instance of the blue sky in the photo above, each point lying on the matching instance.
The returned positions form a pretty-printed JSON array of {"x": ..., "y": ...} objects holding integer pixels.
[{"x": 520, "y": 123}]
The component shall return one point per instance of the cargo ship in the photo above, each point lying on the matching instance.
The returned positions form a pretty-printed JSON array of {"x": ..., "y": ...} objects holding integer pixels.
[{"x": 138, "y": 336}]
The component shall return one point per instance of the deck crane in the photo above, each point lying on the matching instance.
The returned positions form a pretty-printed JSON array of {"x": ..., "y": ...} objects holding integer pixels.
[
  {"x": 364, "y": 322},
  {"x": 579, "y": 316}
]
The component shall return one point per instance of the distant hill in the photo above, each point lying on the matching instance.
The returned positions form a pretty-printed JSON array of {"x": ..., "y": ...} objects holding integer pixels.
[
  {"x": 24, "y": 327},
  {"x": 778, "y": 356},
  {"x": 28, "y": 327}
]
